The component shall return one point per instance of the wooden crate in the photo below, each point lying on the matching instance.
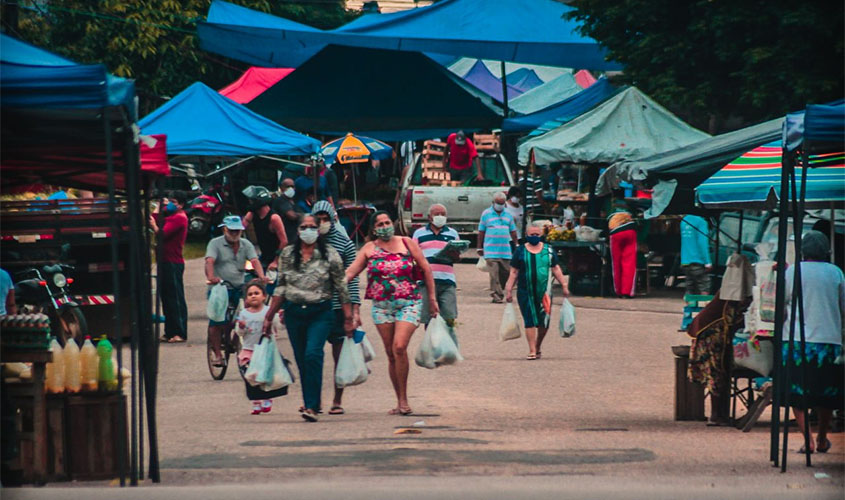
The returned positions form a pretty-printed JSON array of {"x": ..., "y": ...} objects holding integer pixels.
[
  {"x": 486, "y": 142},
  {"x": 94, "y": 431},
  {"x": 429, "y": 164},
  {"x": 435, "y": 145}
]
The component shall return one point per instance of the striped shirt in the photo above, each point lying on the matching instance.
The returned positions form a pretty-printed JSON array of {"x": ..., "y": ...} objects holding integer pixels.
[
  {"x": 497, "y": 229},
  {"x": 431, "y": 243},
  {"x": 344, "y": 246},
  {"x": 535, "y": 183}
]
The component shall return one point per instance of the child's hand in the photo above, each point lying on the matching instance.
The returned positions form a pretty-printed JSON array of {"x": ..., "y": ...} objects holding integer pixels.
[{"x": 242, "y": 324}]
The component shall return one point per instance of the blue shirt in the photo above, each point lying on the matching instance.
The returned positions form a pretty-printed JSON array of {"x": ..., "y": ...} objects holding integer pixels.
[
  {"x": 497, "y": 227},
  {"x": 5, "y": 286},
  {"x": 695, "y": 243}
]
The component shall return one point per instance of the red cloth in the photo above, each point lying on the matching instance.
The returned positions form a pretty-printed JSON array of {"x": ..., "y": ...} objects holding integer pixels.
[
  {"x": 173, "y": 235},
  {"x": 623, "y": 253},
  {"x": 460, "y": 157},
  {"x": 253, "y": 83}
]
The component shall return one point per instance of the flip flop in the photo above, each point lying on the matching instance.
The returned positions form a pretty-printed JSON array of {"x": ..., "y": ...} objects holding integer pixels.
[
  {"x": 532, "y": 357},
  {"x": 310, "y": 416},
  {"x": 823, "y": 449},
  {"x": 393, "y": 411},
  {"x": 176, "y": 340},
  {"x": 336, "y": 410},
  {"x": 405, "y": 411},
  {"x": 302, "y": 409}
]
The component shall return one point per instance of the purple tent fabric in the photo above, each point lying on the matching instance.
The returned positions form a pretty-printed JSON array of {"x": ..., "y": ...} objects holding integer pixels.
[
  {"x": 524, "y": 79},
  {"x": 481, "y": 77}
]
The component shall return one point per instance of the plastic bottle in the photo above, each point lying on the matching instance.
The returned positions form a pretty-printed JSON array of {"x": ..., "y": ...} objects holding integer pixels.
[
  {"x": 89, "y": 365},
  {"x": 73, "y": 375},
  {"x": 55, "y": 379},
  {"x": 106, "y": 379}
]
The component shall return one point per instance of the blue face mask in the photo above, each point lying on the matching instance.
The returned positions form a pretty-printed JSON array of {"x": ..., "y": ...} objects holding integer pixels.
[
  {"x": 533, "y": 239},
  {"x": 171, "y": 207}
]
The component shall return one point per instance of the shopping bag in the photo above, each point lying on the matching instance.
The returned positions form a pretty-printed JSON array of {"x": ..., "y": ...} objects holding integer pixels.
[
  {"x": 481, "y": 265},
  {"x": 278, "y": 376},
  {"x": 425, "y": 353},
  {"x": 567, "y": 319},
  {"x": 753, "y": 354},
  {"x": 261, "y": 363},
  {"x": 367, "y": 348},
  {"x": 510, "y": 328},
  {"x": 443, "y": 348},
  {"x": 351, "y": 367},
  {"x": 218, "y": 301},
  {"x": 768, "y": 290}
]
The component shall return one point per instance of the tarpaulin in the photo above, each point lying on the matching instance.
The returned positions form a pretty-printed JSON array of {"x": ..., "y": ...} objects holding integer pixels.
[
  {"x": 550, "y": 93},
  {"x": 253, "y": 82},
  {"x": 199, "y": 121},
  {"x": 481, "y": 77},
  {"x": 420, "y": 99},
  {"x": 628, "y": 126},
  {"x": 524, "y": 79},
  {"x": 529, "y": 31},
  {"x": 564, "y": 111},
  {"x": 584, "y": 78}
]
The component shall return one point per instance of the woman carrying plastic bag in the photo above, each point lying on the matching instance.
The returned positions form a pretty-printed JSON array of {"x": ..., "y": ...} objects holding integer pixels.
[{"x": 351, "y": 367}]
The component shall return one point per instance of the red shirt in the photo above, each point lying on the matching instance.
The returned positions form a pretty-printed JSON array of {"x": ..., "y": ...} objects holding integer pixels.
[
  {"x": 460, "y": 156},
  {"x": 173, "y": 235}
]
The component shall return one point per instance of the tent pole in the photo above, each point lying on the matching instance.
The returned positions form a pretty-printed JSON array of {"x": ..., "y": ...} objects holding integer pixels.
[
  {"x": 832, "y": 232},
  {"x": 739, "y": 234},
  {"x": 798, "y": 220},
  {"x": 777, "y": 381},
  {"x": 504, "y": 89}
]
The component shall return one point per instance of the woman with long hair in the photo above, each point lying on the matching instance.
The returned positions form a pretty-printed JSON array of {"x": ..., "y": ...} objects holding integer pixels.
[
  {"x": 395, "y": 265},
  {"x": 310, "y": 271}
]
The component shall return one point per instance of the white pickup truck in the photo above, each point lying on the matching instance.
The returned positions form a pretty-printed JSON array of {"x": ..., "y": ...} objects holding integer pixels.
[{"x": 464, "y": 204}]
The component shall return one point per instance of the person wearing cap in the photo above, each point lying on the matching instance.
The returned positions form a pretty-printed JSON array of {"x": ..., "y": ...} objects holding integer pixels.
[
  {"x": 330, "y": 231},
  {"x": 269, "y": 229},
  {"x": 286, "y": 208},
  {"x": 460, "y": 156},
  {"x": 225, "y": 259},
  {"x": 171, "y": 227}
]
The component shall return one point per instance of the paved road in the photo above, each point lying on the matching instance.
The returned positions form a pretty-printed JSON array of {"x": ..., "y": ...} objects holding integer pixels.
[{"x": 592, "y": 418}]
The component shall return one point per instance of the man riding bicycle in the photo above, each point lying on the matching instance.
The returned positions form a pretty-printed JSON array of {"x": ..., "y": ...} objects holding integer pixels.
[{"x": 225, "y": 257}]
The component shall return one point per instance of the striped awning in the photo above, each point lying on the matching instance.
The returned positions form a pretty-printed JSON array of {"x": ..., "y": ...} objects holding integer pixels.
[{"x": 753, "y": 180}]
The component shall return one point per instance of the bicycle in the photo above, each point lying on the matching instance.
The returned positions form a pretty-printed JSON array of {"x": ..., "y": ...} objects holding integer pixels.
[{"x": 229, "y": 342}]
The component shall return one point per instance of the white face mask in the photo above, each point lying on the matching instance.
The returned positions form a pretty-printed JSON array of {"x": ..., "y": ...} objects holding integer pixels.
[
  {"x": 309, "y": 235},
  {"x": 289, "y": 192},
  {"x": 498, "y": 207},
  {"x": 515, "y": 200},
  {"x": 325, "y": 227},
  {"x": 438, "y": 220}
]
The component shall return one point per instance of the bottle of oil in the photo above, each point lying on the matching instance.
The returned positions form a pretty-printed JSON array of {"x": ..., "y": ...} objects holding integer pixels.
[
  {"x": 73, "y": 375},
  {"x": 55, "y": 379},
  {"x": 89, "y": 365}
]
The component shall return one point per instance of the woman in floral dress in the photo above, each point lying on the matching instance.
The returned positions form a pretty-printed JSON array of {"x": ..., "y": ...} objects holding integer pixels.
[{"x": 395, "y": 265}]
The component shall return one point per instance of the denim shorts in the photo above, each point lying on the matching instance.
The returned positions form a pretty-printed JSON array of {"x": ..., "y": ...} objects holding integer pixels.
[{"x": 391, "y": 311}]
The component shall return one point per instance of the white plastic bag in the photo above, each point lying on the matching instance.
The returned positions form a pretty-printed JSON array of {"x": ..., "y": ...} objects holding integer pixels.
[
  {"x": 757, "y": 356},
  {"x": 367, "y": 348},
  {"x": 218, "y": 301},
  {"x": 351, "y": 367},
  {"x": 510, "y": 328},
  {"x": 443, "y": 348},
  {"x": 481, "y": 265},
  {"x": 267, "y": 370},
  {"x": 425, "y": 353},
  {"x": 567, "y": 319}
]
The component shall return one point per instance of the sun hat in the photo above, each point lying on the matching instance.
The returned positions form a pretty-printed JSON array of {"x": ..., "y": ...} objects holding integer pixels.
[{"x": 233, "y": 223}]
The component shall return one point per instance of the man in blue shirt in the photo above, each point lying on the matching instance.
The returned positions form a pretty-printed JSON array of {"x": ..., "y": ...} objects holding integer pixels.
[
  {"x": 695, "y": 254},
  {"x": 496, "y": 231},
  {"x": 7, "y": 294}
]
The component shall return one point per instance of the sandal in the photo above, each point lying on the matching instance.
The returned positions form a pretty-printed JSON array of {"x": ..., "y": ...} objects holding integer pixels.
[
  {"x": 823, "y": 447},
  {"x": 336, "y": 410},
  {"x": 539, "y": 354},
  {"x": 176, "y": 340},
  {"x": 310, "y": 415},
  {"x": 302, "y": 410},
  {"x": 532, "y": 357},
  {"x": 405, "y": 411}
]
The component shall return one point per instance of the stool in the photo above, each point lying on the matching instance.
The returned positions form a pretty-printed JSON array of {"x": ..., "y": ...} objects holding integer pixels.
[{"x": 744, "y": 395}]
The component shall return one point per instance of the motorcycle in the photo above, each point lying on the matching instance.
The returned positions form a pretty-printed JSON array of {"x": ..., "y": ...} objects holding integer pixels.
[
  {"x": 206, "y": 210},
  {"x": 45, "y": 291}
]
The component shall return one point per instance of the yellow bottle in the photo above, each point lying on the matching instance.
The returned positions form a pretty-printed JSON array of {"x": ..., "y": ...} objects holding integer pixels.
[
  {"x": 56, "y": 369},
  {"x": 73, "y": 375},
  {"x": 89, "y": 364}
]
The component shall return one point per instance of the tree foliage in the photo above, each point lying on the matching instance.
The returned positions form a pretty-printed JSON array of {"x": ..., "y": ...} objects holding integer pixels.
[
  {"x": 153, "y": 41},
  {"x": 723, "y": 64}
]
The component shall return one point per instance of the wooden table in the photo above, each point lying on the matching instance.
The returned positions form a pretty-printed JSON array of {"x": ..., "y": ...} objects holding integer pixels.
[
  {"x": 563, "y": 248},
  {"x": 35, "y": 390}
]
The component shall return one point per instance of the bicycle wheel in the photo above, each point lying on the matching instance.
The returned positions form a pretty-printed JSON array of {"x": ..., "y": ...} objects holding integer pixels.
[{"x": 217, "y": 371}]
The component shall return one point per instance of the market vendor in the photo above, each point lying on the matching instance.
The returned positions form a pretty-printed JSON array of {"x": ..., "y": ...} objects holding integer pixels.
[
  {"x": 623, "y": 249},
  {"x": 460, "y": 156},
  {"x": 695, "y": 254}
]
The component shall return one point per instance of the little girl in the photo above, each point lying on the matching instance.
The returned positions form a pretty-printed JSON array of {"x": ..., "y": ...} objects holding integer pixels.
[{"x": 248, "y": 326}]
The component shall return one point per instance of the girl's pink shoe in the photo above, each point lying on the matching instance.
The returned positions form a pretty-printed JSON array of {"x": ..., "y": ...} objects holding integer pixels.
[
  {"x": 256, "y": 408},
  {"x": 266, "y": 405}
]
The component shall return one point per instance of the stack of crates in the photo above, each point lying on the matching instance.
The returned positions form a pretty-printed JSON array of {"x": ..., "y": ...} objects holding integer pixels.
[
  {"x": 693, "y": 304},
  {"x": 487, "y": 142},
  {"x": 434, "y": 171}
]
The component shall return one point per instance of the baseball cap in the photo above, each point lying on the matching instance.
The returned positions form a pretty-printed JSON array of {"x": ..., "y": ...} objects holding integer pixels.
[
  {"x": 460, "y": 138},
  {"x": 233, "y": 222}
]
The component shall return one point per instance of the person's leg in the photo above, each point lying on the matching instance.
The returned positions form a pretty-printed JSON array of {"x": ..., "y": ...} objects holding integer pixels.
[
  {"x": 504, "y": 273},
  {"x": 336, "y": 340},
  {"x": 425, "y": 315},
  {"x": 616, "y": 262},
  {"x": 629, "y": 262},
  {"x": 215, "y": 334},
  {"x": 448, "y": 302},
  {"x": 402, "y": 331},
  {"x": 825, "y": 417},
  {"x": 689, "y": 279},
  {"x": 297, "y": 335},
  {"x": 386, "y": 331},
  {"x": 541, "y": 334},
  {"x": 317, "y": 331},
  {"x": 182, "y": 305},
  {"x": 493, "y": 268},
  {"x": 799, "y": 421},
  {"x": 167, "y": 290},
  {"x": 531, "y": 337}
]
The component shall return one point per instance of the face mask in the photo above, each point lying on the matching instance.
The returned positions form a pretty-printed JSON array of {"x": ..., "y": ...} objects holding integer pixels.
[
  {"x": 170, "y": 207},
  {"x": 309, "y": 235},
  {"x": 498, "y": 207},
  {"x": 533, "y": 239},
  {"x": 289, "y": 192},
  {"x": 515, "y": 200},
  {"x": 325, "y": 227},
  {"x": 438, "y": 220},
  {"x": 384, "y": 233}
]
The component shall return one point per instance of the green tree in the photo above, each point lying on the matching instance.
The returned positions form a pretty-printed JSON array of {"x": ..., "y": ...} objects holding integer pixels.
[
  {"x": 153, "y": 41},
  {"x": 723, "y": 64}
]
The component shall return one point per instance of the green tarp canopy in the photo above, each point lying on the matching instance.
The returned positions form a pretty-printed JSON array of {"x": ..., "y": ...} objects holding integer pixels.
[
  {"x": 675, "y": 174},
  {"x": 385, "y": 94},
  {"x": 628, "y": 126}
]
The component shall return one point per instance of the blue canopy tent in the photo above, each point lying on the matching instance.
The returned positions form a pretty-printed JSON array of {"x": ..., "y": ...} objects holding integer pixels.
[
  {"x": 548, "y": 94},
  {"x": 201, "y": 122},
  {"x": 530, "y": 31},
  {"x": 73, "y": 125},
  {"x": 481, "y": 77},
  {"x": 565, "y": 111},
  {"x": 524, "y": 79}
]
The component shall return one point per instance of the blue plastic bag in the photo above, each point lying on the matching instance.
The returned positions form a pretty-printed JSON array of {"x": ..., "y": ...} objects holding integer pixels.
[{"x": 218, "y": 302}]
